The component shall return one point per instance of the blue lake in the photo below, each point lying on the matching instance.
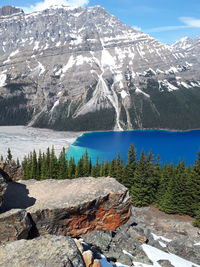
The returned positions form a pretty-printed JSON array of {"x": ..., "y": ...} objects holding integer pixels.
[{"x": 171, "y": 146}]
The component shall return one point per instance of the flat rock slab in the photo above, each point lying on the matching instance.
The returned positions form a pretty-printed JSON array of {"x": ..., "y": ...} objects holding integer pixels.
[
  {"x": 73, "y": 207},
  {"x": 49, "y": 251}
]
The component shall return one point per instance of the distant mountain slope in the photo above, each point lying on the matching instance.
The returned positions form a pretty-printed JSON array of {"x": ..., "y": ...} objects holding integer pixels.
[{"x": 83, "y": 69}]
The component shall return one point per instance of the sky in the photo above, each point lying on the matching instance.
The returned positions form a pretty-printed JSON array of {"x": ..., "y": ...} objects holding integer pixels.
[{"x": 166, "y": 20}]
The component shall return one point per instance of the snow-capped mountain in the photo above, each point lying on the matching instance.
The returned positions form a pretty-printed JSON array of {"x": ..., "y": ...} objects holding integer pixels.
[{"x": 83, "y": 69}]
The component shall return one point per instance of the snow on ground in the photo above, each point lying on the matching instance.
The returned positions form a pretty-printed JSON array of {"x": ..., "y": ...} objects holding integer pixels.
[
  {"x": 3, "y": 78},
  {"x": 123, "y": 94},
  {"x": 22, "y": 140},
  {"x": 154, "y": 255},
  {"x": 156, "y": 237}
]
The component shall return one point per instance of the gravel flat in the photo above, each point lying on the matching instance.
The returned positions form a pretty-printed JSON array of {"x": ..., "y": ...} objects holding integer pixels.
[{"x": 22, "y": 140}]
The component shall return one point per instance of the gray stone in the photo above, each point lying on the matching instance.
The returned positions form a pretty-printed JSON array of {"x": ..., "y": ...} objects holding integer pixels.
[
  {"x": 3, "y": 187},
  {"x": 122, "y": 245},
  {"x": 165, "y": 263},
  {"x": 99, "y": 239},
  {"x": 50, "y": 251},
  {"x": 14, "y": 225},
  {"x": 184, "y": 247}
]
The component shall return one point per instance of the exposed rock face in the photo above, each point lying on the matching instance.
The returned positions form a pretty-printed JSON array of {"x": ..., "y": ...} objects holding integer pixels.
[
  {"x": 9, "y": 10},
  {"x": 51, "y": 251},
  {"x": 83, "y": 69},
  {"x": 14, "y": 225},
  {"x": 185, "y": 248},
  {"x": 11, "y": 170},
  {"x": 119, "y": 245},
  {"x": 72, "y": 207},
  {"x": 3, "y": 186}
]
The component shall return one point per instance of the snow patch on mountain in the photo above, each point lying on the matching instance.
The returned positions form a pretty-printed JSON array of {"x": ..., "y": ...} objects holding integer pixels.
[{"x": 3, "y": 78}]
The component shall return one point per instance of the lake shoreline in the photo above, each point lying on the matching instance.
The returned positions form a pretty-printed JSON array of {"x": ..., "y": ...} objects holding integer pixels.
[
  {"x": 23, "y": 139},
  {"x": 170, "y": 146}
]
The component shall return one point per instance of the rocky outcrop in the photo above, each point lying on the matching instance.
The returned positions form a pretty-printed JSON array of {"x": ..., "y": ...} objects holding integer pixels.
[
  {"x": 122, "y": 245},
  {"x": 9, "y": 10},
  {"x": 51, "y": 251},
  {"x": 3, "y": 186},
  {"x": 11, "y": 170},
  {"x": 14, "y": 225},
  {"x": 185, "y": 248},
  {"x": 71, "y": 207}
]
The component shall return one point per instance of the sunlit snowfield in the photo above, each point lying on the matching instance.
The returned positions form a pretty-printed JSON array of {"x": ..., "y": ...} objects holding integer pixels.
[{"x": 22, "y": 140}]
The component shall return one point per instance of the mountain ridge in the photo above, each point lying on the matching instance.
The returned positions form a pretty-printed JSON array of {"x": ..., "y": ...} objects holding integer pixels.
[{"x": 83, "y": 69}]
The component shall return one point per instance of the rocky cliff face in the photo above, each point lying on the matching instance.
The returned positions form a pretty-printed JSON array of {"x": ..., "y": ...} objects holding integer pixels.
[
  {"x": 83, "y": 69},
  {"x": 9, "y": 10}
]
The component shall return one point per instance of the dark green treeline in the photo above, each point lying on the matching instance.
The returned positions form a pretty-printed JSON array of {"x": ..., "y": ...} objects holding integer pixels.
[{"x": 173, "y": 189}]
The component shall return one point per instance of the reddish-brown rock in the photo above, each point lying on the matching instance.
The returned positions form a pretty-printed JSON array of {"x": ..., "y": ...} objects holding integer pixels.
[{"x": 75, "y": 207}]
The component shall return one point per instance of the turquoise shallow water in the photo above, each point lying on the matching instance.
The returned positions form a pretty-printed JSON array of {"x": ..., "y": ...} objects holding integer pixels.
[{"x": 171, "y": 146}]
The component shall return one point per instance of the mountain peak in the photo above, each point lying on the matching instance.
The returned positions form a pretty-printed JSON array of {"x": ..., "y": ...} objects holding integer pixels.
[
  {"x": 9, "y": 10},
  {"x": 184, "y": 43}
]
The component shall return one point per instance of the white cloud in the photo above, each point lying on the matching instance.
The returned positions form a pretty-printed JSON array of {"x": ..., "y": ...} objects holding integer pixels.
[
  {"x": 136, "y": 28},
  {"x": 166, "y": 28},
  {"x": 190, "y": 22},
  {"x": 47, "y": 3}
]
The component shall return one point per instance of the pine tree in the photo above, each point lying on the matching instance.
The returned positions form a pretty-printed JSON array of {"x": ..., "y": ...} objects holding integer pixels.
[
  {"x": 119, "y": 169},
  {"x": 34, "y": 165},
  {"x": 9, "y": 155},
  {"x": 71, "y": 168},
  {"x": 139, "y": 189},
  {"x": 25, "y": 168},
  {"x": 128, "y": 177},
  {"x": 167, "y": 202},
  {"x": 44, "y": 167},
  {"x": 152, "y": 178},
  {"x": 112, "y": 168},
  {"x": 62, "y": 172},
  {"x": 182, "y": 190},
  {"x": 53, "y": 167},
  {"x": 95, "y": 172},
  {"x": 197, "y": 218},
  {"x": 79, "y": 168},
  {"x": 86, "y": 165},
  {"x": 165, "y": 175},
  {"x": 195, "y": 188},
  {"x": 39, "y": 165},
  {"x": 18, "y": 163}
]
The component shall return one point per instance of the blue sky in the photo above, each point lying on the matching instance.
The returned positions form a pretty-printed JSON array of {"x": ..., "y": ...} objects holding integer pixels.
[{"x": 166, "y": 20}]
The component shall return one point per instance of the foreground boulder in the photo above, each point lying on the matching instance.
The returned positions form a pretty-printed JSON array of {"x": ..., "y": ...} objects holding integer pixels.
[
  {"x": 3, "y": 186},
  {"x": 72, "y": 207},
  {"x": 50, "y": 251},
  {"x": 14, "y": 225}
]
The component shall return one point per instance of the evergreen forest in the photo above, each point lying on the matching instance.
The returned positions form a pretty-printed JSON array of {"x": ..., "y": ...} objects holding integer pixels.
[{"x": 173, "y": 189}]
